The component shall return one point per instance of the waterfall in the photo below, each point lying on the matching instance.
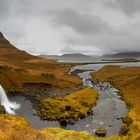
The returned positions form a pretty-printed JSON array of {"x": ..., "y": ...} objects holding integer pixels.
[{"x": 10, "y": 107}]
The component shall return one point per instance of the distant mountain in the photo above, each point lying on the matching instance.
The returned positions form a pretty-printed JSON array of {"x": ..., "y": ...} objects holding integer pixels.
[
  {"x": 123, "y": 55},
  {"x": 66, "y": 56},
  {"x": 75, "y": 55},
  {"x": 55, "y": 57}
]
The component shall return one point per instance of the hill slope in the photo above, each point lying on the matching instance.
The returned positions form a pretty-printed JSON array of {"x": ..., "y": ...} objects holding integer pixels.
[
  {"x": 18, "y": 68},
  {"x": 8, "y": 51}
]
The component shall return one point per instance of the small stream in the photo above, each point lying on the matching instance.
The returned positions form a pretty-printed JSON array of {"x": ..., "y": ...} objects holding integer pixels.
[{"x": 107, "y": 113}]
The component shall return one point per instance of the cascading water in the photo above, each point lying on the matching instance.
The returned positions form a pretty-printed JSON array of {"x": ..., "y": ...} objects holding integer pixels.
[{"x": 10, "y": 107}]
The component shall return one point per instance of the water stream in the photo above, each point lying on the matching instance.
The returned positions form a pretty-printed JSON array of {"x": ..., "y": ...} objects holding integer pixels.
[{"x": 107, "y": 113}]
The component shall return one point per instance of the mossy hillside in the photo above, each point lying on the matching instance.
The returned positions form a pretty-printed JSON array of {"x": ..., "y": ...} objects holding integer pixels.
[
  {"x": 74, "y": 105},
  {"x": 127, "y": 80},
  {"x": 18, "y": 67},
  {"x": 14, "y": 79}
]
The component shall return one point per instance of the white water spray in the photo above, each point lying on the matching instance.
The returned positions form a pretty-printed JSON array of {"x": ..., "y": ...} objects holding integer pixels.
[{"x": 10, "y": 107}]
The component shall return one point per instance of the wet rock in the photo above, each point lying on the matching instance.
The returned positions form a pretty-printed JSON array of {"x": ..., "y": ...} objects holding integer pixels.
[
  {"x": 118, "y": 118},
  {"x": 101, "y": 132},
  {"x": 89, "y": 112},
  {"x": 63, "y": 122},
  {"x": 34, "y": 114},
  {"x": 110, "y": 125},
  {"x": 82, "y": 116},
  {"x": 71, "y": 121},
  {"x": 124, "y": 130}
]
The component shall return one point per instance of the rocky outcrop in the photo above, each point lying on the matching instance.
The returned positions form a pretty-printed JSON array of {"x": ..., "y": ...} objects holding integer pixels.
[{"x": 2, "y": 109}]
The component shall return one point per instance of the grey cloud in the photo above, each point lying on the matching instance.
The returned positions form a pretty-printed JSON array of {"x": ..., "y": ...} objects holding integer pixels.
[
  {"x": 127, "y": 39},
  {"x": 129, "y": 7},
  {"x": 82, "y": 23},
  {"x": 4, "y": 8},
  {"x": 68, "y": 49}
]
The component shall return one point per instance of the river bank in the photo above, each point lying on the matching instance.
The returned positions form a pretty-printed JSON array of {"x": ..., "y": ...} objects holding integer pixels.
[
  {"x": 127, "y": 80},
  {"x": 84, "y": 123}
]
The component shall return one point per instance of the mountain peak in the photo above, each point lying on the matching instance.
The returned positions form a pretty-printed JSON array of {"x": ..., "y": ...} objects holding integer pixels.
[{"x": 1, "y": 35}]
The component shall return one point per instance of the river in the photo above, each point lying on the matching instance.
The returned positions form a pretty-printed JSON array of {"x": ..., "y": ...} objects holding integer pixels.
[{"x": 107, "y": 113}]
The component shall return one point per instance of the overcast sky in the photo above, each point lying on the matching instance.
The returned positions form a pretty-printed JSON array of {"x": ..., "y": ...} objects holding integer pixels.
[{"x": 72, "y": 26}]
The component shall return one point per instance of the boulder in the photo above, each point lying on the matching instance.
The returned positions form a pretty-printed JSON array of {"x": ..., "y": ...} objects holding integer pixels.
[
  {"x": 124, "y": 130},
  {"x": 101, "y": 132},
  {"x": 71, "y": 121},
  {"x": 63, "y": 122}
]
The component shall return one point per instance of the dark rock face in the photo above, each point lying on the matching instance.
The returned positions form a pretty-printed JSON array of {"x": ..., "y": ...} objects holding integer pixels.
[
  {"x": 2, "y": 109},
  {"x": 101, "y": 132}
]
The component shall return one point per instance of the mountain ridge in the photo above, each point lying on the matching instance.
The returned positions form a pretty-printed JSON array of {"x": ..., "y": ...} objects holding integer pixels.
[{"x": 123, "y": 54}]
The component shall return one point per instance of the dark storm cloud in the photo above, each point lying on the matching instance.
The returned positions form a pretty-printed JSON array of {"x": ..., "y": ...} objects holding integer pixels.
[
  {"x": 82, "y": 23},
  {"x": 95, "y": 26},
  {"x": 129, "y": 7}
]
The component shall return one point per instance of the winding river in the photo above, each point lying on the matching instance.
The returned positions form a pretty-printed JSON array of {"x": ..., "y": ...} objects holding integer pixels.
[{"x": 107, "y": 113}]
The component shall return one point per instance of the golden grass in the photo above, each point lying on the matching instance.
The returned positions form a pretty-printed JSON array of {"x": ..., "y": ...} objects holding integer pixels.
[
  {"x": 17, "y": 128},
  {"x": 74, "y": 105},
  {"x": 34, "y": 67},
  {"x": 13, "y": 79},
  {"x": 127, "y": 80}
]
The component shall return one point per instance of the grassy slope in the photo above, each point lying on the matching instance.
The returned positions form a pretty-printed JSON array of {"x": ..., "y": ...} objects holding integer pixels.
[
  {"x": 27, "y": 68},
  {"x": 32, "y": 68},
  {"x": 127, "y": 80},
  {"x": 79, "y": 103},
  {"x": 17, "y": 68}
]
